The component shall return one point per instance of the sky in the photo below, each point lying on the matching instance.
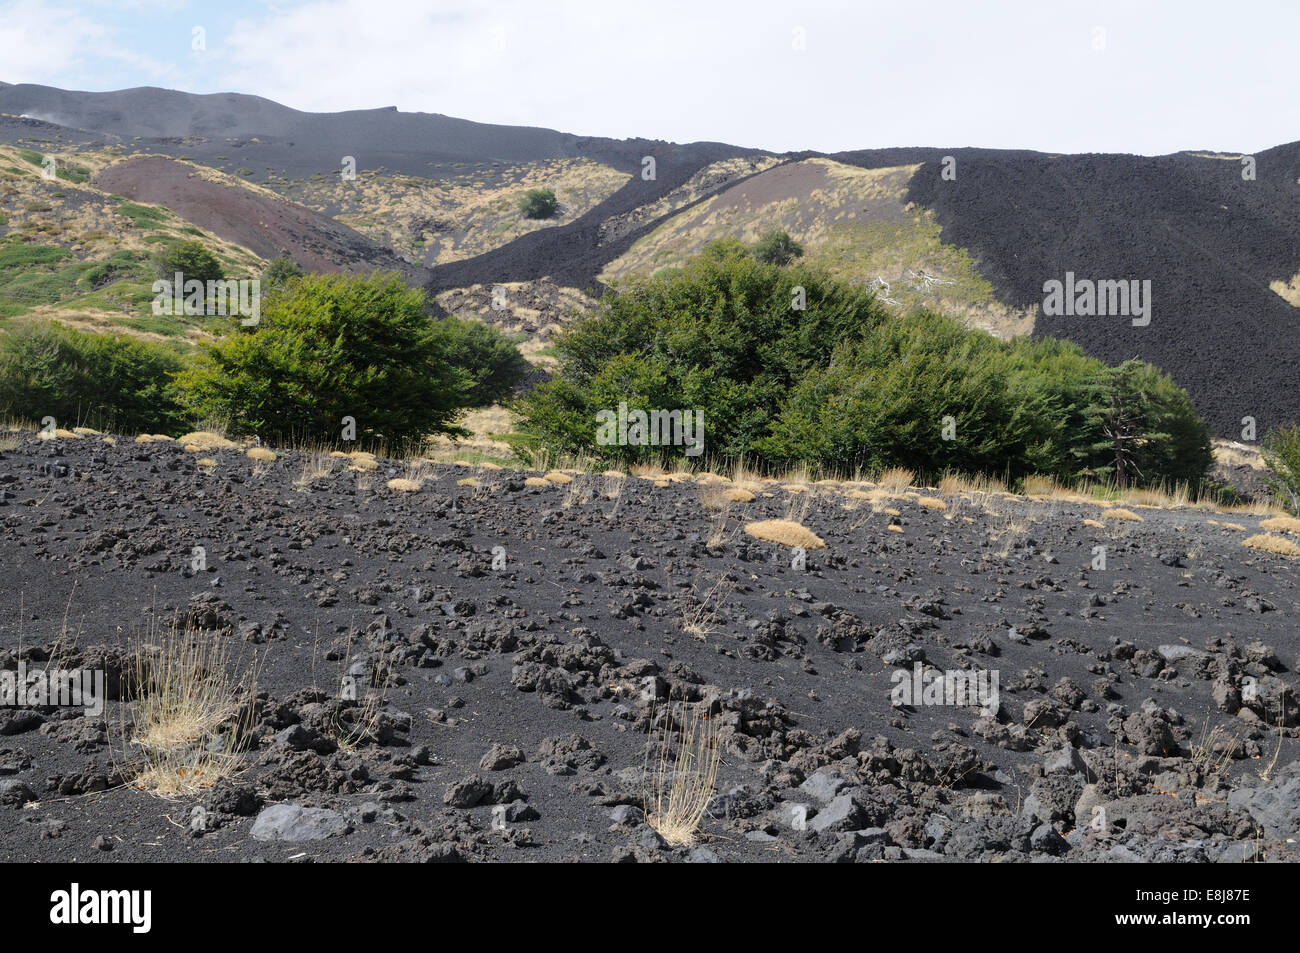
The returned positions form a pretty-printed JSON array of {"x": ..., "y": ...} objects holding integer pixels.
[{"x": 1052, "y": 75}]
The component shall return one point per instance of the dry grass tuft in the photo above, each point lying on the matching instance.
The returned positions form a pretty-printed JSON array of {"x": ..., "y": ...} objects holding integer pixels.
[
  {"x": 1272, "y": 544},
  {"x": 403, "y": 485},
  {"x": 1036, "y": 485},
  {"x": 1284, "y": 524},
  {"x": 786, "y": 533},
  {"x": 1095, "y": 524},
  {"x": 357, "y": 459},
  {"x": 1117, "y": 513},
  {"x": 681, "y": 773},
  {"x": 315, "y": 466},
  {"x": 206, "y": 462},
  {"x": 896, "y": 479},
  {"x": 932, "y": 503},
  {"x": 206, "y": 440},
  {"x": 558, "y": 477},
  {"x": 260, "y": 454},
  {"x": 537, "y": 481},
  {"x": 1234, "y": 526},
  {"x": 189, "y": 712},
  {"x": 894, "y": 528},
  {"x": 468, "y": 481},
  {"x": 700, "y": 611}
]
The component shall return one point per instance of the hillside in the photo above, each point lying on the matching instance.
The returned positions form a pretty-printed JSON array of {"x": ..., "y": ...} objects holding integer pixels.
[{"x": 436, "y": 197}]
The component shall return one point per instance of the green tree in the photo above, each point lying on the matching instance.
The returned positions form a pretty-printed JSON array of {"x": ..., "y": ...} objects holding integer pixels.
[
  {"x": 790, "y": 366},
  {"x": 492, "y": 361},
  {"x": 539, "y": 203},
  {"x": 1281, "y": 451},
  {"x": 334, "y": 346},
  {"x": 777, "y": 248},
  {"x": 191, "y": 258},
  {"x": 279, "y": 273},
  {"x": 1140, "y": 428},
  {"x": 108, "y": 381}
]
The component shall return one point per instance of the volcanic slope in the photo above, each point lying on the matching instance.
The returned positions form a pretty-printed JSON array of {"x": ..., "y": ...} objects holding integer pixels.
[
  {"x": 1146, "y": 705},
  {"x": 1214, "y": 233}
]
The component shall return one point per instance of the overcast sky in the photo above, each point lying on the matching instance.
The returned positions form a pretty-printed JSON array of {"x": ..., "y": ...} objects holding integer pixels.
[{"x": 1052, "y": 75}]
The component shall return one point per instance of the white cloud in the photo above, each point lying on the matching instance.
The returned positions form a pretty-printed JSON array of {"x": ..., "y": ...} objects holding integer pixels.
[{"x": 1013, "y": 74}]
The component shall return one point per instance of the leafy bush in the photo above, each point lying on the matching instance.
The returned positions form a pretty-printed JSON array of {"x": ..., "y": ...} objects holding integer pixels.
[
  {"x": 1281, "y": 452},
  {"x": 279, "y": 273},
  {"x": 539, "y": 203},
  {"x": 492, "y": 361},
  {"x": 108, "y": 381},
  {"x": 777, "y": 248},
  {"x": 191, "y": 258},
  {"x": 843, "y": 384},
  {"x": 334, "y": 346},
  {"x": 1140, "y": 427}
]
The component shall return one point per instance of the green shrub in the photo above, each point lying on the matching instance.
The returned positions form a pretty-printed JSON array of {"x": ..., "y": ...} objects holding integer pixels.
[
  {"x": 191, "y": 258},
  {"x": 491, "y": 359},
  {"x": 107, "y": 381},
  {"x": 539, "y": 203},
  {"x": 777, "y": 248},
  {"x": 1281, "y": 452},
  {"x": 843, "y": 384},
  {"x": 281, "y": 271},
  {"x": 328, "y": 347},
  {"x": 1140, "y": 427}
]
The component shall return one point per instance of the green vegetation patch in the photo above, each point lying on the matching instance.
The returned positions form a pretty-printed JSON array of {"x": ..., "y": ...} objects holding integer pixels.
[
  {"x": 142, "y": 216},
  {"x": 793, "y": 367}
]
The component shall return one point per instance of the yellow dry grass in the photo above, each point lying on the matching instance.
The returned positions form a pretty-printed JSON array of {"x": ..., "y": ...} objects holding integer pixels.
[
  {"x": 468, "y": 481},
  {"x": 896, "y": 479},
  {"x": 1284, "y": 524},
  {"x": 558, "y": 477},
  {"x": 206, "y": 440},
  {"x": 537, "y": 481},
  {"x": 932, "y": 503},
  {"x": 1271, "y": 544},
  {"x": 1118, "y": 513},
  {"x": 187, "y": 698},
  {"x": 1095, "y": 524},
  {"x": 403, "y": 485},
  {"x": 680, "y": 774},
  {"x": 260, "y": 454},
  {"x": 786, "y": 533}
]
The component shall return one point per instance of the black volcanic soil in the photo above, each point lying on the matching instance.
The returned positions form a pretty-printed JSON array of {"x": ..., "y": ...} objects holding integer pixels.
[
  {"x": 1110, "y": 679},
  {"x": 1207, "y": 240},
  {"x": 267, "y": 226}
]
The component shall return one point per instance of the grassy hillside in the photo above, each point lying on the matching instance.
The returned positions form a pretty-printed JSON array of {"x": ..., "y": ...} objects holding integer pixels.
[{"x": 856, "y": 223}]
